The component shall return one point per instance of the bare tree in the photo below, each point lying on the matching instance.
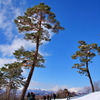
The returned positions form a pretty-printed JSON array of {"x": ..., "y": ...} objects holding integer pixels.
[
  {"x": 97, "y": 86},
  {"x": 87, "y": 89}
]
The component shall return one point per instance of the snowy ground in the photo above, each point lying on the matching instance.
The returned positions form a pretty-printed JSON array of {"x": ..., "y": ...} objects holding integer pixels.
[{"x": 91, "y": 96}]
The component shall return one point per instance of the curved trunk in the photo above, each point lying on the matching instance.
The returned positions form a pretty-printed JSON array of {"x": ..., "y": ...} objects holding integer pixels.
[
  {"x": 34, "y": 63},
  {"x": 89, "y": 77},
  {"x": 30, "y": 73},
  {"x": 27, "y": 83}
]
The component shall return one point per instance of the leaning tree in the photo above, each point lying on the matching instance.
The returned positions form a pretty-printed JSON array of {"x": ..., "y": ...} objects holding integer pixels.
[
  {"x": 85, "y": 55},
  {"x": 37, "y": 23}
]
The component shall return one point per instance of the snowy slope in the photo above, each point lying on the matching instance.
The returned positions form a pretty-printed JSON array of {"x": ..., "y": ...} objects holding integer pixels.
[{"x": 91, "y": 96}]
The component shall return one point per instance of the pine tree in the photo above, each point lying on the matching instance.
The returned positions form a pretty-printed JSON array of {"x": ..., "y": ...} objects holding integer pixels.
[
  {"x": 12, "y": 75},
  {"x": 85, "y": 55},
  {"x": 37, "y": 23}
]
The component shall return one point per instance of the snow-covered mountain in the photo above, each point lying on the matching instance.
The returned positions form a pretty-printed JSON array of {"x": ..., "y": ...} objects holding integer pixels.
[{"x": 38, "y": 91}]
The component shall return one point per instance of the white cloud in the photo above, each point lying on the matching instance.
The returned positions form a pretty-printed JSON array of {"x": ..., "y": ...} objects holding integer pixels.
[
  {"x": 7, "y": 50},
  {"x": 6, "y": 2},
  {"x": 7, "y": 15},
  {"x": 45, "y": 53},
  {"x": 33, "y": 84},
  {"x": 57, "y": 87},
  {"x": 76, "y": 89},
  {"x": 6, "y": 61}
]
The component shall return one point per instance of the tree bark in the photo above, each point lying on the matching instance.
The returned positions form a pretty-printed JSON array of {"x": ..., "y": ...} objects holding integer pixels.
[
  {"x": 30, "y": 73},
  {"x": 27, "y": 83},
  {"x": 8, "y": 93},
  {"x": 89, "y": 77}
]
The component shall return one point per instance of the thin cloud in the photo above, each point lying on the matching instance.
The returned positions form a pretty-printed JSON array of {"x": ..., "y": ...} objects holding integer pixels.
[
  {"x": 7, "y": 50},
  {"x": 6, "y": 61},
  {"x": 76, "y": 89},
  {"x": 7, "y": 15},
  {"x": 57, "y": 87},
  {"x": 34, "y": 84}
]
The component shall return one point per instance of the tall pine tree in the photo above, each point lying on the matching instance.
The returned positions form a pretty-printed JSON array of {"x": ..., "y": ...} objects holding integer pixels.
[{"x": 37, "y": 23}]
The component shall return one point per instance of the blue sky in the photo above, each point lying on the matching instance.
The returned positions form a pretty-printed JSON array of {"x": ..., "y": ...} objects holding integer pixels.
[{"x": 81, "y": 20}]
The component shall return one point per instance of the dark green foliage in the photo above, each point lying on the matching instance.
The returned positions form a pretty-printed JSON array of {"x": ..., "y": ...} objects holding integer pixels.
[
  {"x": 85, "y": 54},
  {"x": 27, "y": 58},
  {"x": 81, "y": 68},
  {"x": 98, "y": 49},
  {"x": 12, "y": 74},
  {"x": 36, "y": 21}
]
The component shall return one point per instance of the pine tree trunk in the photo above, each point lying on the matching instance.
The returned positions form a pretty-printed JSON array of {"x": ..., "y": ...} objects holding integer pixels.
[
  {"x": 9, "y": 89},
  {"x": 8, "y": 93},
  {"x": 27, "y": 83},
  {"x": 89, "y": 77},
  {"x": 31, "y": 72}
]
